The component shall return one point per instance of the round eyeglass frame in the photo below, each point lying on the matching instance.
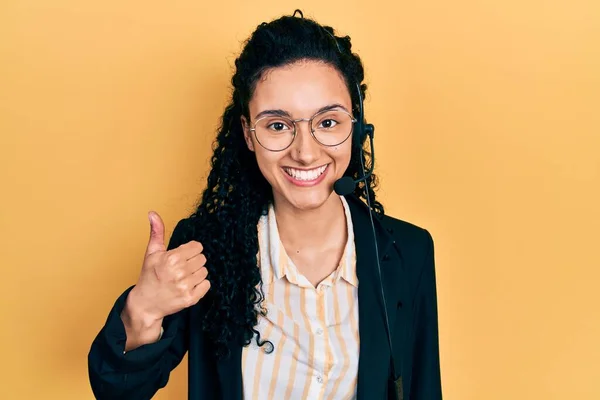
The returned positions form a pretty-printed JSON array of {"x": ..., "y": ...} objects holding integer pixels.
[{"x": 312, "y": 132}]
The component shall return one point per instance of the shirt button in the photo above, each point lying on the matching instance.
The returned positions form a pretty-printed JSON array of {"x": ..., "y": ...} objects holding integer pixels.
[
  {"x": 319, "y": 379},
  {"x": 319, "y": 331}
]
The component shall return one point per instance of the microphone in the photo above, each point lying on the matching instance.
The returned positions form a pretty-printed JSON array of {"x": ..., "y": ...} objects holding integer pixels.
[{"x": 345, "y": 185}]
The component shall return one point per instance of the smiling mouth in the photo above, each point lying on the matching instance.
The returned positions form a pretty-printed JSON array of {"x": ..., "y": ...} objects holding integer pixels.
[{"x": 306, "y": 175}]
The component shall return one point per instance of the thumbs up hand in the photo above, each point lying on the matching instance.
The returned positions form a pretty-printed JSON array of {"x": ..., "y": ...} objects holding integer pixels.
[{"x": 169, "y": 282}]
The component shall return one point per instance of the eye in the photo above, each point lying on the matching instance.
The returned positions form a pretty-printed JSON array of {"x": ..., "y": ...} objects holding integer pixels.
[
  {"x": 278, "y": 126},
  {"x": 328, "y": 123}
]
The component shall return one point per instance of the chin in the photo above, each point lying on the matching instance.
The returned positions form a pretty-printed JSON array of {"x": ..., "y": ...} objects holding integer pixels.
[{"x": 309, "y": 198}]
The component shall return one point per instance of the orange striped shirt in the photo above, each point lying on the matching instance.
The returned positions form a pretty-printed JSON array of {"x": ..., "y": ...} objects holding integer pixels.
[{"x": 314, "y": 331}]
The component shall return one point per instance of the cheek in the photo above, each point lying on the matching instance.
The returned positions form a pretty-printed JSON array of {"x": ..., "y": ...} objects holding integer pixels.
[
  {"x": 267, "y": 161},
  {"x": 341, "y": 153}
]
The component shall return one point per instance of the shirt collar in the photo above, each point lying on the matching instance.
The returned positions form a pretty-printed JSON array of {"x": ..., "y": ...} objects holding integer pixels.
[{"x": 275, "y": 264}]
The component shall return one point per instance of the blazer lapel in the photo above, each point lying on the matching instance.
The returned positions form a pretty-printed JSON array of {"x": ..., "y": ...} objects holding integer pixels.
[{"x": 374, "y": 358}]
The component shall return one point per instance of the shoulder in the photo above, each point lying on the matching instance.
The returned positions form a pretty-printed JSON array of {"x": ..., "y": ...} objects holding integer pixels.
[
  {"x": 407, "y": 233},
  {"x": 415, "y": 243}
]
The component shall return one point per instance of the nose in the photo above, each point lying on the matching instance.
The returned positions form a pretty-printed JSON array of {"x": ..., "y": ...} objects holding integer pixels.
[{"x": 304, "y": 149}]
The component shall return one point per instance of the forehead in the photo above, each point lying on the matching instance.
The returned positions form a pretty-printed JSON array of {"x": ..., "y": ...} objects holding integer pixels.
[{"x": 300, "y": 88}]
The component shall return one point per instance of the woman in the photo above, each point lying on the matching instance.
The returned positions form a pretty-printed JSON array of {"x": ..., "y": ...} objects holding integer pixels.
[{"x": 273, "y": 283}]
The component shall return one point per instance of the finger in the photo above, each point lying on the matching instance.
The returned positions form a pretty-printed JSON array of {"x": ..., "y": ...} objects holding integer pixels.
[
  {"x": 189, "y": 250},
  {"x": 194, "y": 279},
  {"x": 194, "y": 264},
  {"x": 198, "y": 276},
  {"x": 157, "y": 234},
  {"x": 201, "y": 289}
]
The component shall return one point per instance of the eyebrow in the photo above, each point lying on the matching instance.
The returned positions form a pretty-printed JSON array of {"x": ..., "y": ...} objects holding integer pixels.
[{"x": 283, "y": 113}]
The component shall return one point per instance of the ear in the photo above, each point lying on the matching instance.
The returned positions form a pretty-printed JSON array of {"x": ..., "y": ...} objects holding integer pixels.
[{"x": 247, "y": 133}]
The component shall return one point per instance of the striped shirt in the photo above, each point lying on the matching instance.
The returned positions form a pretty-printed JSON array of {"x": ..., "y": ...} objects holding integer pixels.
[{"x": 314, "y": 331}]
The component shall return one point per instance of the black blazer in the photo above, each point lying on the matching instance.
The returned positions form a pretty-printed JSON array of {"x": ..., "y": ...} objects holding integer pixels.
[{"x": 408, "y": 272}]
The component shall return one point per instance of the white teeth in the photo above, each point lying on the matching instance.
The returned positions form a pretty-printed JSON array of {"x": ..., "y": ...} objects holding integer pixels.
[{"x": 302, "y": 175}]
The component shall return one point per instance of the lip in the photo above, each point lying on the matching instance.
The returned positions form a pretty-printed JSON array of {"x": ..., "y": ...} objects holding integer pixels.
[{"x": 298, "y": 182}]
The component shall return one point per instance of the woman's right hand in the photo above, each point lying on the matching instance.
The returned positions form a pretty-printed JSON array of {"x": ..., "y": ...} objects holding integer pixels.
[{"x": 169, "y": 282}]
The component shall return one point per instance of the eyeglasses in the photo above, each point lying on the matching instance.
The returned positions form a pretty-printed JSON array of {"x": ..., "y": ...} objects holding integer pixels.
[{"x": 329, "y": 128}]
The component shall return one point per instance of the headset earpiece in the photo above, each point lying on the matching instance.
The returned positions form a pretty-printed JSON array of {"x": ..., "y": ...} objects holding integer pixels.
[
  {"x": 369, "y": 130},
  {"x": 363, "y": 129}
]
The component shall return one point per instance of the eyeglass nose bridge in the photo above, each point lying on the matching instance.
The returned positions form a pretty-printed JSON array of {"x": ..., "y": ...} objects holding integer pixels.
[
  {"x": 311, "y": 129},
  {"x": 309, "y": 120}
]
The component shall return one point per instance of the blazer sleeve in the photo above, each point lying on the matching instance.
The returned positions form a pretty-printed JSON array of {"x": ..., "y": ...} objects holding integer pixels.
[
  {"x": 139, "y": 373},
  {"x": 426, "y": 379}
]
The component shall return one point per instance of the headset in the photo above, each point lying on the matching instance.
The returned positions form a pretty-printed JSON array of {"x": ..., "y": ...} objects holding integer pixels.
[{"x": 345, "y": 186}]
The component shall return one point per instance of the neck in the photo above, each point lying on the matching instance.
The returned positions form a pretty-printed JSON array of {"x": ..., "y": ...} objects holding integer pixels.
[{"x": 322, "y": 227}]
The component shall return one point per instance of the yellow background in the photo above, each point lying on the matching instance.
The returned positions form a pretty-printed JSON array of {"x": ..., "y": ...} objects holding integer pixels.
[{"x": 488, "y": 134}]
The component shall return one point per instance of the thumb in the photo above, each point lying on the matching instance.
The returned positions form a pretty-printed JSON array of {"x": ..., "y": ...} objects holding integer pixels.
[{"x": 157, "y": 234}]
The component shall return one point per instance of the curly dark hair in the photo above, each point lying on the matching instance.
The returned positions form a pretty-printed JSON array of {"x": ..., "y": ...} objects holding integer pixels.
[{"x": 237, "y": 194}]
